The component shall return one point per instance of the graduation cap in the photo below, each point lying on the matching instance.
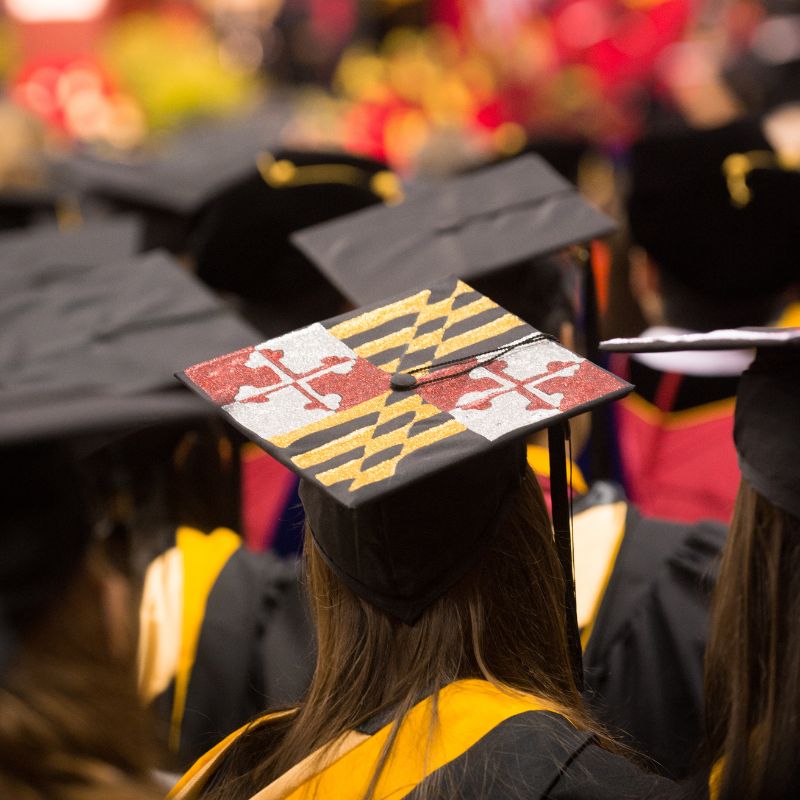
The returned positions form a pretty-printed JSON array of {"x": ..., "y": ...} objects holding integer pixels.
[
  {"x": 168, "y": 188},
  {"x": 470, "y": 226},
  {"x": 715, "y": 209},
  {"x": 406, "y": 421},
  {"x": 241, "y": 244},
  {"x": 91, "y": 348},
  {"x": 767, "y": 416}
]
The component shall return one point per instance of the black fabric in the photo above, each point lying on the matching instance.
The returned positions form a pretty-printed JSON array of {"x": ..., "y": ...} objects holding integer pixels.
[
  {"x": 256, "y": 651},
  {"x": 20, "y": 208},
  {"x": 767, "y": 427},
  {"x": 45, "y": 253},
  {"x": 468, "y": 226},
  {"x": 404, "y": 550},
  {"x": 681, "y": 211},
  {"x": 93, "y": 346},
  {"x": 46, "y": 530},
  {"x": 241, "y": 244},
  {"x": 644, "y": 660},
  {"x": 540, "y": 755}
]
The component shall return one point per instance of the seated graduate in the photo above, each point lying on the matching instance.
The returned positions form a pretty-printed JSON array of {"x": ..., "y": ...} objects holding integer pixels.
[
  {"x": 752, "y": 691},
  {"x": 643, "y": 584},
  {"x": 715, "y": 221},
  {"x": 92, "y": 335},
  {"x": 447, "y": 661}
]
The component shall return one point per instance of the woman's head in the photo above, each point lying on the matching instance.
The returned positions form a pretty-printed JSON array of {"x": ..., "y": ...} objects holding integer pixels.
[{"x": 503, "y": 620}]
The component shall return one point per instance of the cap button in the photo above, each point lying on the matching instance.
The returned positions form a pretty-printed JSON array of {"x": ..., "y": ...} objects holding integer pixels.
[{"x": 402, "y": 380}]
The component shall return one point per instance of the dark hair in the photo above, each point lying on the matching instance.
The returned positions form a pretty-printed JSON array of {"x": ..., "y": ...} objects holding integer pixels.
[
  {"x": 503, "y": 622},
  {"x": 753, "y": 656}
]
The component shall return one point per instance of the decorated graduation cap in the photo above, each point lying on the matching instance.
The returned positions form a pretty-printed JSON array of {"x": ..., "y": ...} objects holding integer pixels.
[
  {"x": 241, "y": 243},
  {"x": 471, "y": 226},
  {"x": 406, "y": 421},
  {"x": 717, "y": 209},
  {"x": 767, "y": 416},
  {"x": 168, "y": 187}
]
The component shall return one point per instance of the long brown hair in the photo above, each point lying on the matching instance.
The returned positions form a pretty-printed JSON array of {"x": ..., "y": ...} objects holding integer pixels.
[
  {"x": 753, "y": 655},
  {"x": 71, "y": 725},
  {"x": 503, "y": 622}
]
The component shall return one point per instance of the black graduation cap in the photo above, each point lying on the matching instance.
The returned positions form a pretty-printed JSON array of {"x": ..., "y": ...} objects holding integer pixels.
[
  {"x": 241, "y": 244},
  {"x": 715, "y": 209},
  {"x": 406, "y": 421},
  {"x": 767, "y": 416},
  {"x": 170, "y": 186},
  {"x": 90, "y": 348},
  {"x": 471, "y": 226}
]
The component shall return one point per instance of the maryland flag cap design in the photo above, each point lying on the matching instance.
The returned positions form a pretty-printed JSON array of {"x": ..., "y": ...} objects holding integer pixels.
[{"x": 323, "y": 401}]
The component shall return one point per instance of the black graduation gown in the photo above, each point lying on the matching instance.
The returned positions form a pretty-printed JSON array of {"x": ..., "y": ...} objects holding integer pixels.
[{"x": 643, "y": 663}]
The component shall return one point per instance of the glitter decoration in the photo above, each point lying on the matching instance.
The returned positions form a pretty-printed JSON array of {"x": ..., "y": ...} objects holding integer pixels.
[{"x": 321, "y": 401}]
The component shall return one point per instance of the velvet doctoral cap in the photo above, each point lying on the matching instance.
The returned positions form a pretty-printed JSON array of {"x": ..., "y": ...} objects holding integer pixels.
[
  {"x": 717, "y": 209},
  {"x": 241, "y": 243},
  {"x": 168, "y": 185},
  {"x": 470, "y": 226},
  {"x": 406, "y": 421},
  {"x": 767, "y": 417}
]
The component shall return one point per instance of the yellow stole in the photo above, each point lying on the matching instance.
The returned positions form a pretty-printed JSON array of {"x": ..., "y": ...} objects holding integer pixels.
[{"x": 465, "y": 712}]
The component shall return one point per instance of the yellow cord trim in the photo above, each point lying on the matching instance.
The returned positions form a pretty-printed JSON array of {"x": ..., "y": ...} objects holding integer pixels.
[
  {"x": 282, "y": 173},
  {"x": 204, "y": 556},
  {"x": 715, "y": 779},
  {"x": 539, "y": 462},
  {"x": 790, "y": 317},
  {"x": 737, "y": 166}
]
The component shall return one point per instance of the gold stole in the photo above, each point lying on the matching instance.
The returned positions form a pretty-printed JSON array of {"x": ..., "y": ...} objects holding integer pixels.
[{"x": 466, "y": 711}]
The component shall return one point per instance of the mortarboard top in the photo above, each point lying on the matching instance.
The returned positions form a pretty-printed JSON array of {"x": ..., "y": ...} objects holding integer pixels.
[
  {"x": 767, "y": 416},
  {"x": 93, "y": 349},
  {"x": 241, "y": 242},
  {"x": 469, "y": 226},
  {"x": 406, "y": 421},
  {"x": 715, "y": 209}
]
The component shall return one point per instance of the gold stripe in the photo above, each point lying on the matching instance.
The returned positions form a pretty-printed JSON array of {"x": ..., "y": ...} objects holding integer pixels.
[
  {"x": 339, "y": 418},
  {"x": 363, "y": 436},
  {"x": 204, "y": 556},
  {"x": 407, "y": 334},
  {"x": 283, "y": 173},
  {"x": 414, "y": 304},
  {"x": 386, "y": 469},
  {"x": 495, "y": 328},
  {"x": 737, "y": 166}
]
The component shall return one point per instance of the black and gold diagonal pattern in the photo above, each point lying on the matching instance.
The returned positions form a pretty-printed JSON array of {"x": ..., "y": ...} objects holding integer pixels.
[
  {"x": 447, "y": 322},
  {"x": 365, "y": 444}
]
